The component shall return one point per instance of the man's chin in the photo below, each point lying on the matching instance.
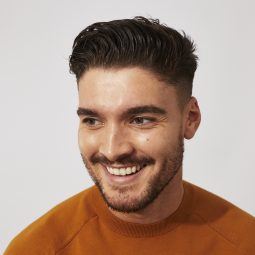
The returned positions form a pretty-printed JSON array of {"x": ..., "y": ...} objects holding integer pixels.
[
  {"x": 124, "y": 206},
  {"x": 126, "y": 201},
  {"x": 121, "y": 199}
]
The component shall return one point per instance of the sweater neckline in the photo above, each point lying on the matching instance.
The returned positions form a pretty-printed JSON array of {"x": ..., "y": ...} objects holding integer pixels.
[{"x": 143, "y": 230}]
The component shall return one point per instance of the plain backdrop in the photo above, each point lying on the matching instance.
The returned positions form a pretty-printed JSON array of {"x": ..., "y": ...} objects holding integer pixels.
[{"x": 40, "y": 162}]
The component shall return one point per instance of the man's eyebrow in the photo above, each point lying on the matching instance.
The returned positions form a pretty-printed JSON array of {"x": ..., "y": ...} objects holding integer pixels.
[
  {"x": 145, "y": 109},
  {"x": 131, "y": 111},
  {"x": 85, "y": 111}
]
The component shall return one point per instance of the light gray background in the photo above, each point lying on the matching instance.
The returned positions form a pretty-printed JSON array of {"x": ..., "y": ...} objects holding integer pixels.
[{"x": 40, "y": 162}]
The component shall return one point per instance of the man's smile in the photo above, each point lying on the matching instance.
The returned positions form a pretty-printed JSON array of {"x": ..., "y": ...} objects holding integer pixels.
[
  {"x": 124, "y": 170},
  {"x": 122, "y": 175}
]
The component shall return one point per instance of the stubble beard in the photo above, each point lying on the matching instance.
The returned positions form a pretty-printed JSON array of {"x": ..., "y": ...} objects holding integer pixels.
[{"x": 121, "y": 201}]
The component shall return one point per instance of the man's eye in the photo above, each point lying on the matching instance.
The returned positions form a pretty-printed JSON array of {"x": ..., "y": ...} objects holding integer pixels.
[
  {"x": 142, "y": 120},
  {"x": 90, "y": 121}
]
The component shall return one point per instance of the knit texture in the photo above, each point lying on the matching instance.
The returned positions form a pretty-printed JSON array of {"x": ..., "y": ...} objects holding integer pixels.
[{"x": 203, "y": 224}]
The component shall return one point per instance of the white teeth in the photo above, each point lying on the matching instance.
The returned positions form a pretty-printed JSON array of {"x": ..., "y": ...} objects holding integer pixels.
[
  {"x": 129, "y": 170},
  {"x": 133, "y": 169},
  {"x": 110, "y": 170},
  {"x": 123, "y": 171},
  {"x": 115, "y": 171}
]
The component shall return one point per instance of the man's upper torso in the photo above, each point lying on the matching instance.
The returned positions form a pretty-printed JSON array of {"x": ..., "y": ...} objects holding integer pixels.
[{"x": 203, "y": 224}]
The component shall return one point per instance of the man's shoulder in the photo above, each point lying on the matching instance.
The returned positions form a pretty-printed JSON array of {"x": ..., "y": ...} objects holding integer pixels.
[
  {"x": 224, "y": 218},
  {"x": 56, "y": 228}
]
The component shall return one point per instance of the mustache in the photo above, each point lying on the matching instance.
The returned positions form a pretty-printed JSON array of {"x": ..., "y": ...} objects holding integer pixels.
[{"x": 123, "y": 160}]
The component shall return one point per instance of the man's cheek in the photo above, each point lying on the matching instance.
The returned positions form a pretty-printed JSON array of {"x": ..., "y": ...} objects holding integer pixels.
[
  {"x": 143, "y": 139},
  {"x": 85, "y": 141}
]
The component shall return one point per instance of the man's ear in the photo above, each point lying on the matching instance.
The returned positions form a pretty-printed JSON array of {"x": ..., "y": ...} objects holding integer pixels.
[{"x": 192, "y": 118}]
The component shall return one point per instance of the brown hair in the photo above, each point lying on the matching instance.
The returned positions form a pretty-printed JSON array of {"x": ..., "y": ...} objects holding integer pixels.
[{"x": 138, "y": 42}]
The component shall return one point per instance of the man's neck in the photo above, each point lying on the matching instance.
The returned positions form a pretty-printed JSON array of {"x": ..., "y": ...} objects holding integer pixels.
[{"x": 164, "y": 205}]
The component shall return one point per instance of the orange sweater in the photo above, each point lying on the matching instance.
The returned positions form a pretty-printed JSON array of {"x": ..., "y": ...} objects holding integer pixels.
[{"x": 204, "y": 224}]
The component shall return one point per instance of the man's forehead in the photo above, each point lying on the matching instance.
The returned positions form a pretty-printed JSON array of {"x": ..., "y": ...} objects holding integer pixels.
[
  {"x": 124, "y": 72},
  {"x": 136, "y": 78},
  {"x": 123, "y": 89}
]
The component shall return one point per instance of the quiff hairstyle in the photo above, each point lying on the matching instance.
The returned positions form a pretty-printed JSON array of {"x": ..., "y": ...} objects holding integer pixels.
[{"x": 137, "y": 42}]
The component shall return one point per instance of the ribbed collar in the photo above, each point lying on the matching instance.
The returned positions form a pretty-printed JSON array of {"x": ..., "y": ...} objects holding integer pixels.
[{"x": 144, "y": 230}]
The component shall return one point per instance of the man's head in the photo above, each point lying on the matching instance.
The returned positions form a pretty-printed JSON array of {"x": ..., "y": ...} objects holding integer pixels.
[{"x": 135, "y": 84}]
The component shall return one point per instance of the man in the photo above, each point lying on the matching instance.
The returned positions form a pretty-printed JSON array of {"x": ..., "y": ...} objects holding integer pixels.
[{"x": 134, "y": 79}]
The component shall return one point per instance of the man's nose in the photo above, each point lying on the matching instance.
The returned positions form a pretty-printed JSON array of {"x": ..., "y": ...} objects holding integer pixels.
[{"x": 115, "y": 143}]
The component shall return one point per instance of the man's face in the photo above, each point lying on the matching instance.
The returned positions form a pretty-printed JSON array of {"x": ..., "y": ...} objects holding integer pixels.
[{"x": 130, "y": 135}]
